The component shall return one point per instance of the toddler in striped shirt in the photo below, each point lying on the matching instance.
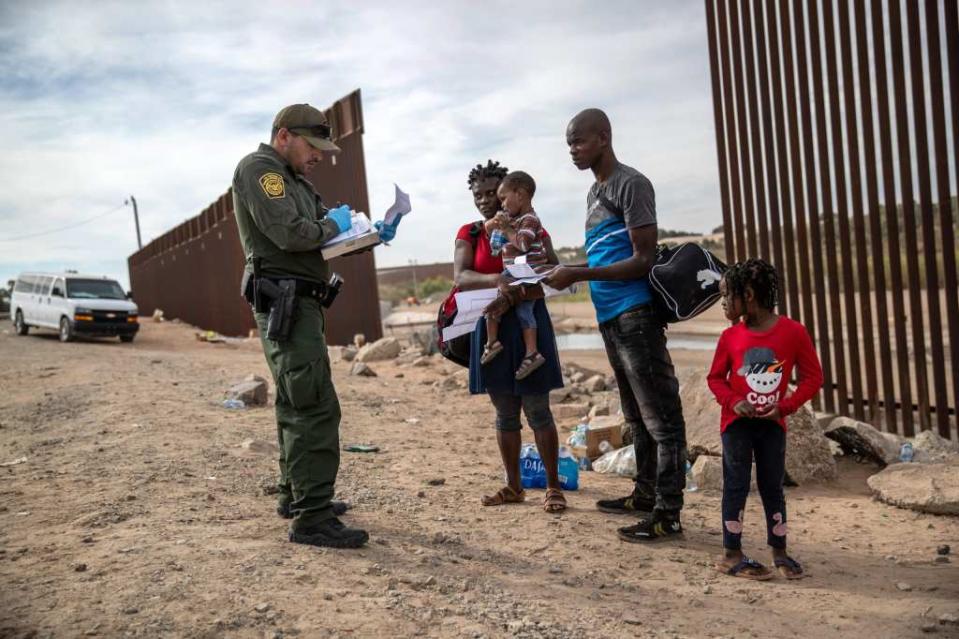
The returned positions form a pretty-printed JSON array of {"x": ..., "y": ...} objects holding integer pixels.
[{"x": 518, "y": 222}]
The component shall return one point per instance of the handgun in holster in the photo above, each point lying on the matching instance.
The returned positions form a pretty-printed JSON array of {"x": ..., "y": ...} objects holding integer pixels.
[{"x": 282, "y": 296}]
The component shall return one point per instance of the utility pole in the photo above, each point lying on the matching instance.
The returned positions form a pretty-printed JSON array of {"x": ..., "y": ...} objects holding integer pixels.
[
  {"x": 136, "y": 219},
  {"x": 413, "y": 264}
]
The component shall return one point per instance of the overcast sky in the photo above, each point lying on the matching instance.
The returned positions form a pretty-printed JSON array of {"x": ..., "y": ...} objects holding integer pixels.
[{"x": 101, "y": 100}]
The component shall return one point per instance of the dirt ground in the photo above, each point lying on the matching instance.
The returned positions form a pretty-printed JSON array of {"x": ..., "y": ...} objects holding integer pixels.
[{"x": 138, "y": 513}]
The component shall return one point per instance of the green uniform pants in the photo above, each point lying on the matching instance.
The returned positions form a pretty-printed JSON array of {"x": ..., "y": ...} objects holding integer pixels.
[{"x": 307, "y": 414}]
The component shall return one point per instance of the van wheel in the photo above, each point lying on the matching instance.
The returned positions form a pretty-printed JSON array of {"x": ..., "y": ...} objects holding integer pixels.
[
  {"x": 18, "y": 324},
  {"x": 66, "y": 331},
  {"x": 126, "y": 339}
]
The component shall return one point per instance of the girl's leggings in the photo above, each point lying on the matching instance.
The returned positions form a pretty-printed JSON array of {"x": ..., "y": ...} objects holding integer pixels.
[{"x": 766, "y": 440}]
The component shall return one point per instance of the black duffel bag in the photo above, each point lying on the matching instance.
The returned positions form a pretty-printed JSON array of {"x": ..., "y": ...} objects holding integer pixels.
[{"x": 685, "y": 280}]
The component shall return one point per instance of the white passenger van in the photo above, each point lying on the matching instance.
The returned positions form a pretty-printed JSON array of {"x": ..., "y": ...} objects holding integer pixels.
[{"x": 73, "y": 304}]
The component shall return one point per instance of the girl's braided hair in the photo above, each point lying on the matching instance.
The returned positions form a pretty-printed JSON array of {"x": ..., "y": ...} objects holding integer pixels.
[
  {"x": 757, "y": 274},
  {"x": 491, "y": 170}
]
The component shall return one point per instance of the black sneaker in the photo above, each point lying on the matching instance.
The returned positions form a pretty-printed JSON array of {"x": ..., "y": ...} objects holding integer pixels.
[
  {"x": 629, "y": 505},
  {"x": 330, "y": 533},
  {"x": 653, "y": 528},
  {"x": 339, "y": 509}
]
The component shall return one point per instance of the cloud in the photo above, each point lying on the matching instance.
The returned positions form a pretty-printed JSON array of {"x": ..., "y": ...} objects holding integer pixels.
[{"x": 162, "y": 99}]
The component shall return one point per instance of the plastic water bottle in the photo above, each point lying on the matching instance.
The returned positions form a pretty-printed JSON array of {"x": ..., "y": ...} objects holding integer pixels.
[
  {"x": 233, "y": 404},
  {"x": 497, "y": 240},
  {"x": 691, "y": 486},
  {"x": 905, "y": 453}
]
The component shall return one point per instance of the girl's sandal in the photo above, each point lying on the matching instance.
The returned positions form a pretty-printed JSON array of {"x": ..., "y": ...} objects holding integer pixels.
[
  {"x": 529, "y": 364},
  {"x": 789, "y": 568},
  {"x": 746, "y": 569},
  {"x": 505, "y": 495},
  {"x": 555, "y": 501},
  {"x": 490, "y": 352}
]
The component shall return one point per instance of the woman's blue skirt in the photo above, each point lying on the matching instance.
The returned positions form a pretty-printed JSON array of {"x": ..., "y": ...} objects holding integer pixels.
[{"x": 499, "y": 375}]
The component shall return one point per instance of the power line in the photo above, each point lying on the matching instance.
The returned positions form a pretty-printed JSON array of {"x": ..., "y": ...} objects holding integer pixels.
[{"x": 63, "y": 228}]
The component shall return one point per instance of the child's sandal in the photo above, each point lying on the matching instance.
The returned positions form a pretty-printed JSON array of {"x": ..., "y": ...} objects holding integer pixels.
[
  {"x": 789, "y": 568},
  {"x": 490, "y": 352},
  {"x": 529, "y": 364},
  {"x": 746, "y": 569}
]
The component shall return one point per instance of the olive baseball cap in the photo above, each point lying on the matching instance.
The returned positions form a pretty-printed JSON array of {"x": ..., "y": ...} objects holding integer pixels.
[{"x": 309, "y": 122}]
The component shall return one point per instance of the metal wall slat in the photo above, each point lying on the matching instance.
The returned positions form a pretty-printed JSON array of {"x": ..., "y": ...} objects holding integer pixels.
[
  {"x": 720, "y": 124},
  {"x": 829, "y": 255},
  {"x": 866, "y": 363},
  {"x": 775, "y": 231},
  {"x": 793, "y": 241},
  {"x": 946, "y": 213},
  {"x": 870, "y": 161},
  {"x": 735, "y": 250},
  {"x": 807, "y": 135},
  {"x": 908, "y": 215},
  {"x": 758, "y": 236},
  {"x": 839, "y": 141},
  {"x": 936, "y": 350},
  {"x": 748, "y": 248},
  {"x": 886, "y": 126}
]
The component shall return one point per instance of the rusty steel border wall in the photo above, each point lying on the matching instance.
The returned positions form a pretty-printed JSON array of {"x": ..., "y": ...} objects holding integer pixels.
[
  {"x": 192, "y": 272},
  {"x": 834, "y": 164}
]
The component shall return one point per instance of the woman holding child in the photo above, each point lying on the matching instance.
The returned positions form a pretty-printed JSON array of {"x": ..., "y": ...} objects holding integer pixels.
[{"x": 476, "y": 266}]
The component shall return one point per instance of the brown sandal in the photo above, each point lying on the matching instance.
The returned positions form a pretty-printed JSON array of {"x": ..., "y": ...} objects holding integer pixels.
[
  {"x": 529, "y": 364},
  {"x": 555, "y": 501},
  {"x": 490, "y": 352},
  {"x": 505, "y": 495}
]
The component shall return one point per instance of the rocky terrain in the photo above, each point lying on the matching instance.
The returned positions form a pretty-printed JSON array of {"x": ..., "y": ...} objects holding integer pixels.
[{"x": 133, "y": 504}]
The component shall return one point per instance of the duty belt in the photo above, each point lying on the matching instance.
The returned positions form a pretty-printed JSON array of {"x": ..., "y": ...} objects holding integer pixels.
[{"x": 304, "y": 288}]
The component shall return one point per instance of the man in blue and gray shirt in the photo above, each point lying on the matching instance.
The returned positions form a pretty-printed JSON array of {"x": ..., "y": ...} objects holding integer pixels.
[{"x": 621, "y": 248}]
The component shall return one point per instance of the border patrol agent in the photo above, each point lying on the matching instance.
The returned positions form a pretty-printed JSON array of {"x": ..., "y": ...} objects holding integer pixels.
[{"x": 282, "y": 224}]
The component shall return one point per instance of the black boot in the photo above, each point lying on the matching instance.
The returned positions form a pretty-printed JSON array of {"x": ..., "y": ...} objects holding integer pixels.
[
  {"x": 339, "y": 509},
  {"x": 330, "y": 533}
]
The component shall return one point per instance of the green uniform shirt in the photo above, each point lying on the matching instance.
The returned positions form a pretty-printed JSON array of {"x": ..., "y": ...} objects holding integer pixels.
[{"x": 280, "y": 217}]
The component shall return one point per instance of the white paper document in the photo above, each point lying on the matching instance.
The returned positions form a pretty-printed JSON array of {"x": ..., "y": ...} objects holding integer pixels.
[
  {"x": 399, "y": 208},
  {"x": 471, "y": 304},
  {"x": 359, "y": 226},
  {"x": 525, "y": 274}
]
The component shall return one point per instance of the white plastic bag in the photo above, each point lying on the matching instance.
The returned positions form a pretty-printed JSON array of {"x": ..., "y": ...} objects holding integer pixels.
[{"x": 620, "y": 462}]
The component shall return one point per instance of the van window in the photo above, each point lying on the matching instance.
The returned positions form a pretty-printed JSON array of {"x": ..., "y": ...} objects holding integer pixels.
[
  {"x": 94, "y": 289},
  {"x": 57, "y": 287},
  {"x": 43, "y": 285},
  {"x": 22, "y": 285}
]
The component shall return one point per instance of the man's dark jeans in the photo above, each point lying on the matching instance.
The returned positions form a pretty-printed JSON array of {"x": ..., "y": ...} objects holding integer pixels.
[
  {"x": 764, "y": 440},
  {"x": 636, "y": 347}
]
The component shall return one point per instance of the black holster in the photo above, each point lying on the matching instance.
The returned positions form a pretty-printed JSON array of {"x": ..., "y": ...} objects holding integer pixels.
[{"x": 282, "y": 302}]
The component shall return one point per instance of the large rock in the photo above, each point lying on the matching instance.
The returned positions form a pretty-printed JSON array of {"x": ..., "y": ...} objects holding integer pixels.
[
  {"x": 362, "y": 370},
  {"x": 808, "y": 456},
  {"x": 930, "y": 447},
  {"x": 708, "y": 473},
  {"x": 425, "y": 340},
  {"x": 928, "y": 488},
  {"x": 595, "y": 384},
  {"x": 863, "y": 440},
  {"x": 252, "y": 391},
  {"x": 381, "y": 349}
]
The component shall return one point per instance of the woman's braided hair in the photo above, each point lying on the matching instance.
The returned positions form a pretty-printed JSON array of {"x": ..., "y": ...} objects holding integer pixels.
[
  {"x": 757, "y": 274},
  {"x": 491, "y": 170}
]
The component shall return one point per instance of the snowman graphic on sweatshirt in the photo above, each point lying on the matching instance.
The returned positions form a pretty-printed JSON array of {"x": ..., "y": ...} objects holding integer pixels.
[{"x": 764, "y": 374}]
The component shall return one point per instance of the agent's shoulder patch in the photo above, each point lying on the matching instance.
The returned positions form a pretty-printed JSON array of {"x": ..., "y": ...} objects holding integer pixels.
[{"x": 272, "y": 184}]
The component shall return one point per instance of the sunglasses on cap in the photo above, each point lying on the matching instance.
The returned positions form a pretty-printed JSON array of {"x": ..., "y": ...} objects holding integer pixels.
[{"x": 324, "y": 131}]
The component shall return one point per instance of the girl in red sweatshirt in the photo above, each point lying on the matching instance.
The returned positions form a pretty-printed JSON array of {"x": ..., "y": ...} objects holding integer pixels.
[{"x": 750, "y": 376}]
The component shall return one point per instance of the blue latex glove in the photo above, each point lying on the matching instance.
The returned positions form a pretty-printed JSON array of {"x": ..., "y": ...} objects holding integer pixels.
[
  {"x": 387, "y": 231},
  {"x": 341, "y": 215}
]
